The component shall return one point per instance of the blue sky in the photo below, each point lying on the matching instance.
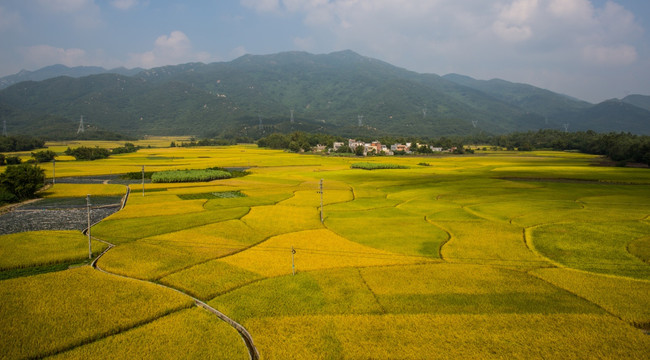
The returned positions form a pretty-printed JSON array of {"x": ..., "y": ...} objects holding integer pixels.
[{"x": 591, "y": 49}]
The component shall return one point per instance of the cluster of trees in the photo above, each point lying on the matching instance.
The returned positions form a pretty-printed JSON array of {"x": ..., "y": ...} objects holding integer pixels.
[
  {"x": 621, "y": 147},
  {"x": 44, "y": 156},
  {"x": 88, "y": 153},
  {"x": 39, "y": 157},
  {"x": 297, "y": 141},
  {"x": 127, "y": 148},
  {"x": 20, "y": 143},
  {"x": 94, "y": 153},
  {"x": 9, "y": 160},
  {"x": 20, "y": 182}
]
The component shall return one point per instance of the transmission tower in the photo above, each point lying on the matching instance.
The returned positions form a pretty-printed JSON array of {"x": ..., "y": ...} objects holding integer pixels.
[
  {"x": 360, "y": 120},
  {"x": 424, "y": 112},
  {"x": 81, "y": 125},
  {"x": 4, "y": 127},
  {"x": 260, "y": 118},
  {"x": 474, "y": 123},
  {"x": 566, "y": 128},
  {"x": 291, "y": 116}
]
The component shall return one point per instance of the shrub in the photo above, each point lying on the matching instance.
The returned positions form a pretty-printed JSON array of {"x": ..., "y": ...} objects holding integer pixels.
[
  {"x": 127, "y": 148},
  {"x": 7, "y": 197},
  {"x": 44, "y": 156},
  {"x": 12, "y": 160},
  {"x": 22, "y": 180},
  {"x": 88, "y": 153}
]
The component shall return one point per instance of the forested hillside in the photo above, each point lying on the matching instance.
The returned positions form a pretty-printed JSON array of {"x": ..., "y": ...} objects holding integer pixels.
[{"x": 340, "y": 93}]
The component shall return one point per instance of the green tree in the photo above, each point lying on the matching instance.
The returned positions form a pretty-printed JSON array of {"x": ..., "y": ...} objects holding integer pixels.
[
  {"x": 344, "y": 149},
  {"x": 359, "y": 150},
  {"x": 22, "y": 180},
  {"x": 88, "y": 153},
  {"x": 44, "y": 156},
  {"x": 12, "y": 160}
]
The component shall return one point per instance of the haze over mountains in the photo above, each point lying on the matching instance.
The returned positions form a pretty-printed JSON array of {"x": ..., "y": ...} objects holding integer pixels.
[{"x": 341, "y": 93}]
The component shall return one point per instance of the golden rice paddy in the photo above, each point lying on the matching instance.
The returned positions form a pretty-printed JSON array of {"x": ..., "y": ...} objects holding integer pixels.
[{"x": 503, "y": 255}]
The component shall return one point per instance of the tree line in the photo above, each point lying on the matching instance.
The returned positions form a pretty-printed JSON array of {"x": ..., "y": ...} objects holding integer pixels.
[
  {"x": 20, "y": 143},
  {"x": 619, "y": 147}
]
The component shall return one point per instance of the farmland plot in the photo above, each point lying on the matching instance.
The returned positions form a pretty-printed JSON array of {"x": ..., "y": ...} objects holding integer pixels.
[{"x": 471, "y": 257}]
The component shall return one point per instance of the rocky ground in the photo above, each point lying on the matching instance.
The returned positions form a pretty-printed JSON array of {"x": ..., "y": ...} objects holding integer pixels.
[{"x": 61, "y": 213}]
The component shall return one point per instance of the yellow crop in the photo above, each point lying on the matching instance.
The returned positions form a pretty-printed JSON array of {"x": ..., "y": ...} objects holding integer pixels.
[
  {"x": 419, "y": 336},
  {"x": 187, "y": 334},
  {"x": 451, "y": 260},
  {"x": 388, "y": 226},
  {"x": 315, "y": 249},
  {"x": 274, "y": 220},
  {"x": 160, "y": 208},
  {"x": 483, "y": 242},
  {"x": 47, "y": 313},
  {"x": 81, "y": 190},
  {"x": 210, "y": 279},
  {"x": 623, "y": 297},
  {"x": 45, "y": 247}
]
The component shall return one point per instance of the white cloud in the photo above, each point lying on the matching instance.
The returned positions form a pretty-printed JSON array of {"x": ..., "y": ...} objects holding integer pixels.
[
  {"x": 506, "y": 38},
  {"x": 576, "y": 10},
  {"x": 124, "y": 4},
  {"x": 513, "y": 19},
  {"x": 168, "y": 50},
  {"x": 43, "y": 55}
]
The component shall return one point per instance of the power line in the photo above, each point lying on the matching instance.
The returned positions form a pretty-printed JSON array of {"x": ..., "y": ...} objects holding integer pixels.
[{"x": 81, "y": 125}]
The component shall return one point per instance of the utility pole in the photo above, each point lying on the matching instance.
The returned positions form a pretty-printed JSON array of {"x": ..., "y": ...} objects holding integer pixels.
[
  {"x": 142, "y": 180},
  {"x": 321, "y": 200},
  {"x": 360, "y": 120},
  {"x": 4, "y": 127},
  {"x": 293, "y": 264},
  {"x": 90, "y": 250}
]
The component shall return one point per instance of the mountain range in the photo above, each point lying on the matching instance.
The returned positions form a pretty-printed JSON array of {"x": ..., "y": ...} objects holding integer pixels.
[{"x": 341, "y": 93}]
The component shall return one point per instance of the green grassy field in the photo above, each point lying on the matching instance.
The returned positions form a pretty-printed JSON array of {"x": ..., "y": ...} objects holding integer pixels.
[{"x": 498, "y": 255}]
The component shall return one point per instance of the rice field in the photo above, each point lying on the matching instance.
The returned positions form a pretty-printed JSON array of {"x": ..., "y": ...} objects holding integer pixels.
[
  {"x": 37, "y": 248},
  {"x": 502, "y": 255}
]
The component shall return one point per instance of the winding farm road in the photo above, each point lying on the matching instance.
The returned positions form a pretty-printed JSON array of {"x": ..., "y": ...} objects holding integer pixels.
[{"x": 245, "y": 335}]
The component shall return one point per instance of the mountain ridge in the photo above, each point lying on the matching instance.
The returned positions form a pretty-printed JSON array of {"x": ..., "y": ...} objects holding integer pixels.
[{"x": 342, "y": 93}]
